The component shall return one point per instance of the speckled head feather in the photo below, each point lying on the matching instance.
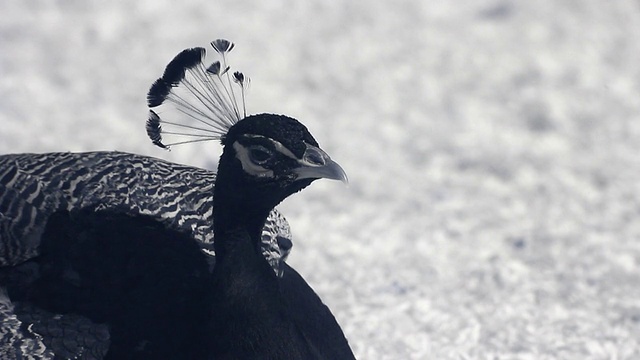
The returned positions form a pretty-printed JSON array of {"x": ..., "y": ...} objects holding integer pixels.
[{"x": 288, "y": 131}]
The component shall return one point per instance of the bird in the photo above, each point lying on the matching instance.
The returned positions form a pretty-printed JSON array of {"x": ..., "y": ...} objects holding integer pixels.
[{"x": 106, "y": 283}]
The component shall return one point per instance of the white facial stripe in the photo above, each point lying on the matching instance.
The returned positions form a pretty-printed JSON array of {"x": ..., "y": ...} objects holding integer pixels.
[
  {"x": 278, "y": 146},
  {"x": 283, "y": 150},
  {"x": 242, "y": 154}
]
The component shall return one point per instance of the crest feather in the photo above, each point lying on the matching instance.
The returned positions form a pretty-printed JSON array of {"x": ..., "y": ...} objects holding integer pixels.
[{"x": 195, "y": 101}]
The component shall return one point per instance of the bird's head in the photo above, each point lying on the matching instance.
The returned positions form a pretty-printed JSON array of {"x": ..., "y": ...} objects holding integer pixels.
[
  {"x": 269, "y": 157},
  {"x": 265, "y": 157},
  {"x": 280, "y": 150}
]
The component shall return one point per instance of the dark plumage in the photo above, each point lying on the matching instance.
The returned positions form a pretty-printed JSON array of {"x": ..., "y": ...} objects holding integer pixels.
[
  {"x": 106, "y": 281},
  {"x": 125, "y": 288},
  {"x": 255, "y": 314}
]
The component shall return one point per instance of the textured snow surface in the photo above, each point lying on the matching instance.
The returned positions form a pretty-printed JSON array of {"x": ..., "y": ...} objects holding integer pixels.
[{"x": 492, "y": 148}]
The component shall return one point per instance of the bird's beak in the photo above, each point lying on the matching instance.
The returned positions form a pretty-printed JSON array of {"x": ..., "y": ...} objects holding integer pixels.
[{"x": 316, "y": 164}]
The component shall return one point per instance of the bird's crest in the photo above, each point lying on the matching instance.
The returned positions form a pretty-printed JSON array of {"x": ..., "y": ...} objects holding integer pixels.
[{"x": 197, "y": 99}]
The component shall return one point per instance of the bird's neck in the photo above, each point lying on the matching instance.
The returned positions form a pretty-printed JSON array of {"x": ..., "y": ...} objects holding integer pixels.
[
  {"x": 236, "y": 210},
  {"x": 245, "y": 299},
  {"x": 233, "y": 219}
]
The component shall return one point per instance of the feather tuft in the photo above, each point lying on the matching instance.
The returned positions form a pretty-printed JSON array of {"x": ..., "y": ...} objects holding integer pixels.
[
  {"x": 214, "y": 68},
  {"x": 238, "y": 77},
  {"x": 198, "y": 102},
  {"x": 158, "y": 93},
  {"x": 154, "y": 129},
  {"x": 186, "y": 60},
  {"x": 222, "y": 46}
]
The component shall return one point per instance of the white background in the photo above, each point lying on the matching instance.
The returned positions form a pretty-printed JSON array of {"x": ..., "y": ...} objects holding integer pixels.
[{"x": 492, "y": 148}]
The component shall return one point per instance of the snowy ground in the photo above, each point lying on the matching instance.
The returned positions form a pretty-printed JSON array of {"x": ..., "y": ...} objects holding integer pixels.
[{"x": 492, "y": 148}]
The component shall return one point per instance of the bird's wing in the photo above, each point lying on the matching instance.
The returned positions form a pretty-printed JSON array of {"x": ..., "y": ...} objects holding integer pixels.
[
  {"x": 16, "y": 341},
  {"x": 313, "y": 318},
  {"x": 25, "y": 203},
  {"x": 105, "y": 282},
  {"x": 30, "y": 332},
  {"x": 33, "y": 186}
]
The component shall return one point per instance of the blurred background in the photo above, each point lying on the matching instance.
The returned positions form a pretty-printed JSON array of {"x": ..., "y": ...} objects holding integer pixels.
[{"x": 492, "y": 148}]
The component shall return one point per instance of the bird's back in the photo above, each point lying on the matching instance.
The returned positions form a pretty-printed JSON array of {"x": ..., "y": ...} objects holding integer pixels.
[{"x": 33, "y": 186}]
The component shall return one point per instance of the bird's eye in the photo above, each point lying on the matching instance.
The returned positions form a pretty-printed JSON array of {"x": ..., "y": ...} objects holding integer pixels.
[{"x": 259, "y": 154}]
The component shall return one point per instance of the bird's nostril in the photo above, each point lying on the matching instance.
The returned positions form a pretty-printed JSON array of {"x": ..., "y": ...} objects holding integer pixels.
[{"x": 315, "y": 157}]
